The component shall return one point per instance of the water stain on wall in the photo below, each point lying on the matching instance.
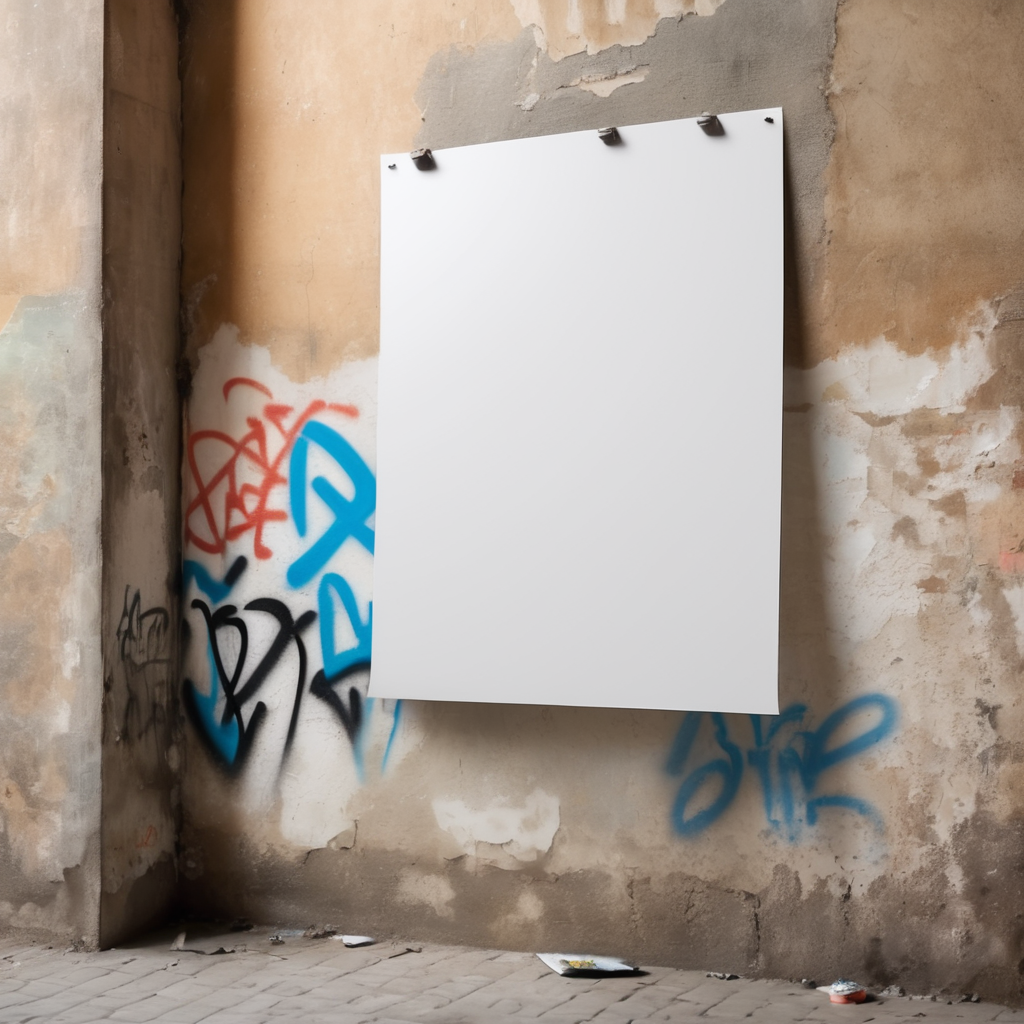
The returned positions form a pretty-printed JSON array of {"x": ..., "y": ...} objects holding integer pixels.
[{"x": 926, "y": 178}]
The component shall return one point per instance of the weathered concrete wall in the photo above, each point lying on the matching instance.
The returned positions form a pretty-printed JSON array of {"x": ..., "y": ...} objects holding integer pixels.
[
  {"x": 873, "y": 829},
  {"x": 51, "y": 81},
  {"x": 141, "y": 458}
]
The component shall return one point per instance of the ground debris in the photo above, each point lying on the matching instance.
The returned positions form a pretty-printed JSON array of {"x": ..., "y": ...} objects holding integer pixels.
[
  {"x": 408, "y": 949},
  {"x": 178, "y": 946},
  {"x": 354, "y": 940},
  {"x": 843, "y": 991},
  {"x": 722, "y": 976},
  {"x": 585, "y": 964}
]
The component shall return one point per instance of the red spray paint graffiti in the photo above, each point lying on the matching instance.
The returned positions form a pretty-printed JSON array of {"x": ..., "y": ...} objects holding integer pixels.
[{"x": 246, "y": 474}]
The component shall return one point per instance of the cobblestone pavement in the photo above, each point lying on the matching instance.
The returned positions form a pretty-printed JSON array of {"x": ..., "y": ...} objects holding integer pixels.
[{"x": 320, "y": 980}]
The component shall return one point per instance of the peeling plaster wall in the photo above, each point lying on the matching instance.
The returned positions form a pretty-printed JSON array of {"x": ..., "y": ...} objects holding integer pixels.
[
  {"x": 141, "y": 458},
  {"x": 873, "y": 829},
  {"x": 51, "y": 82}
]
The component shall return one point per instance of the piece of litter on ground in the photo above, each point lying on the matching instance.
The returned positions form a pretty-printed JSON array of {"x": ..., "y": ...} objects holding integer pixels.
[
  {"x": 844, "y": 991},
  {"x": 808, "y": 983},
  {"x": 319, "y": 931},
  {"x": 575, "y": 963},
  {"x": 276, "y": 940},
  {"x": 892, "y": 991},
  {"x": 722, "y": 976},
  {"x": 354, "y": 940},
  {"x": 408, "y": 949},
  {"x": 178, "y": 943}
]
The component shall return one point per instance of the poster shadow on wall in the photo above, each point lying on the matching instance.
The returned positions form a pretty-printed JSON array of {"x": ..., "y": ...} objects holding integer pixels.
[{"x": 770, "y": 766}]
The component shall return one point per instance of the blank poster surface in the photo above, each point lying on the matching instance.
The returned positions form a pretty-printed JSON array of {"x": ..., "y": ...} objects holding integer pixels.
[{"x": 579, "y": 420}]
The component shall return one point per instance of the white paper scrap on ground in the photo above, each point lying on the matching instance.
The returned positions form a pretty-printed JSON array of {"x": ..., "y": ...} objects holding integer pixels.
[
  {"x": 355, "y": 940},
  {"x": 580, "y": 420},
  {"x": 568, "y": 963}
]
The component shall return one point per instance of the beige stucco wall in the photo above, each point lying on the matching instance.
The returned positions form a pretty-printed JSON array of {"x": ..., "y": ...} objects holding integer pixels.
[
  {"x": 874, "y": 829},
  {"x": 51, "y": 82}
]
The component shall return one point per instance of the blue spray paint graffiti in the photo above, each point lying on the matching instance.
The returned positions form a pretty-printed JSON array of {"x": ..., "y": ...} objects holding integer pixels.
[
  {"x": 789, "y": 762},
  {"x": 349, "y": 516},
  {"x": 227, "y": 714}
]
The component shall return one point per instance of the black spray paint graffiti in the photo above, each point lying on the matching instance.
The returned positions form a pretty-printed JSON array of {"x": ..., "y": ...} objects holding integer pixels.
[
  {"x": 229, "y": 731},
  {"x": 143, "y": 639}
]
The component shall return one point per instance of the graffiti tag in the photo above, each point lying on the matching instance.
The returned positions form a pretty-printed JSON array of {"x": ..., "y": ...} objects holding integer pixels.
[{"x": 790, "y": 761}]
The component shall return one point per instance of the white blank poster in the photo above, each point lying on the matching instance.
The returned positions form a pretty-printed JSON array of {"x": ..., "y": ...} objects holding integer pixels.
[{"x": 579, "y": 420}]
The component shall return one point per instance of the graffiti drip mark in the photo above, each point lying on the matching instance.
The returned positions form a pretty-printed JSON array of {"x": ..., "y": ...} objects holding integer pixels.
[
  {"x": 340, "y": 665},
  {"x": 289, "y": 630},
  {"x": 228, "y": 735},
  {"x": 788, "y": 761},
  {"x": 211, "y": 522},
  {"x": 349, "y": 516},
  {"x": 396, "y": 718}
]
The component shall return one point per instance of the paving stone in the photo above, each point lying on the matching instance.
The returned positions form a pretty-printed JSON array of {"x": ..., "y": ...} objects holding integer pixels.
[
  {"x": 316, "y": 980},
  {"x": 16, "y": 998},
  {"x": 190, "y": 1013},
  {"x": 373, "y": 1002},
  {"x": 145, "y": 1009}
]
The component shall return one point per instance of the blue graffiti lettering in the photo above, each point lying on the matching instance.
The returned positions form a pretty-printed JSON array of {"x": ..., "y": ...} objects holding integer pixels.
[
  {"x": 788, "y": 762},
  {"x": 349, "y": 515}
]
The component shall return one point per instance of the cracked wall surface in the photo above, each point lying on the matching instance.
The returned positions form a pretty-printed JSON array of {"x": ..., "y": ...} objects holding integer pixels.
[
  {"x": 50, "y": 666},
  {"x": 873, "y": 829}
]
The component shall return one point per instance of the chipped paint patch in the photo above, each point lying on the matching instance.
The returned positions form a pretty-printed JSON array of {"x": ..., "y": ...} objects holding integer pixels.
[
  {"x": 565, "y": 27},
  {"x": 502, "y": 834},
  {"x": 883, "y": 380},
  {"x": 605, "y": 85},
  {"x": 1015, "y": 599}
]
